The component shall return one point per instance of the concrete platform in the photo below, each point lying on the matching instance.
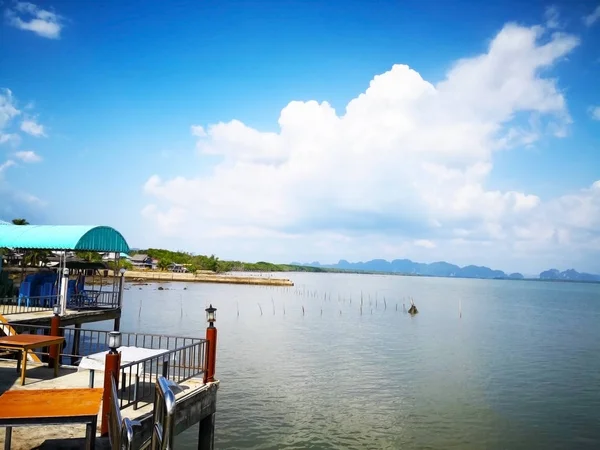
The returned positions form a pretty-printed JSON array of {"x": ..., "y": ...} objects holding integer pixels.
[
  {"x": 196, "y": 398},
  {"x": 72, "y": 317}
]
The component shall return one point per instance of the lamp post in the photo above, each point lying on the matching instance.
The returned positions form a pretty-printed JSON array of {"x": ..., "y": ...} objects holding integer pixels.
[
  {"x": 117, "y": 325},
  {"x": 211, "y": 341},
  {"x": 112, "y": 365},
  {"x": 64, "y": 283}
]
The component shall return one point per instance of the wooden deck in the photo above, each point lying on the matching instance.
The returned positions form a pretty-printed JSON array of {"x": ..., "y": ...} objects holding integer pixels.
[
  {"x": 70, "y": 318},
  {"x": 72, "y": 436}
]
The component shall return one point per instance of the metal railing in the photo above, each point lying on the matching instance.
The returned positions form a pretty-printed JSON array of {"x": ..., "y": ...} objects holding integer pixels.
[
  {"x": 94, "y": 299},
  {"x": 83, "y": 342},
  {"x": 120, "y": 430},
  {"x": 163, "y": 429},
  {"x": 178, "y": 365},
  {"x": 88, "y": 299},
  {"x": 14, "y": 305}
]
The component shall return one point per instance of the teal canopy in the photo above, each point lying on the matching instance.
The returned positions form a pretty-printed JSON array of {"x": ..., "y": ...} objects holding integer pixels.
[{"x": 63, "y": 237}]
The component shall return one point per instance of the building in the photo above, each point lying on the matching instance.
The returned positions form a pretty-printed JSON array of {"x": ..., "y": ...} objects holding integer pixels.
[
  {"x": 143, "y": 262},
  {"x": 177, "y": 268}
]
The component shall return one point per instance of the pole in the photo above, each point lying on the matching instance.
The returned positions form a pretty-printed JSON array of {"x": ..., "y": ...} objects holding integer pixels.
[
  {"x": 54, "y": 349},
  {"x": 63, "y": 290},
  {"x": 112, "y": 363},
  {"x": 211, "y": 354},
  {"x": 121, "y": 283}
]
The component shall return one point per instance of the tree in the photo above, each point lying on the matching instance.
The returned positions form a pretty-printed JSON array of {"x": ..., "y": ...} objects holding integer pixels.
[
  {"x": 164, "y": 264},
  {"x": 122, "y": 263},
  {"x": 20, "y": 222},
  {"x": 89, "y": 256}
]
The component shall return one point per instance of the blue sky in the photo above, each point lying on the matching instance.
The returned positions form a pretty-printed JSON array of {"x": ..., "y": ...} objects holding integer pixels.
[{"x": 117, "y": 87}]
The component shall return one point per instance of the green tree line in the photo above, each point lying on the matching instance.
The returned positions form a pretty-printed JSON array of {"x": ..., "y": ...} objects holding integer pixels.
[{"x": 213, "y": 263}]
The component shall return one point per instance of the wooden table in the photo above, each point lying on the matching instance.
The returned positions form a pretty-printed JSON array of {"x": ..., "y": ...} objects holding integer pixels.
[
  {"x": 26, "y": 342},
  {"x": 51, "y": 407}
]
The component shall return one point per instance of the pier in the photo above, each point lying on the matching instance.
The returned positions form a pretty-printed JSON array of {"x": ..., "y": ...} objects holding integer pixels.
[{"x": 152, "y": 386}]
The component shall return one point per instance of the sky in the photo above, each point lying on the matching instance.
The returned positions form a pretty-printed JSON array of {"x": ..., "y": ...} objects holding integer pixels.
[{"x": 462, "y": 131}]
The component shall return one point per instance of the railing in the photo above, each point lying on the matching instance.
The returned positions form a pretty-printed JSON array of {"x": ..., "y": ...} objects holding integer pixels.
[
  {"x": 90, "y": 299},
  {"x": 83, "y": 342},
  {"x": 120, "y": 430},
  {"x": 181, "y": 358},
  {"x": 14, "y": 305},
  {"x": 163, "y": 429},
  {"x": 137, "y": 378}
]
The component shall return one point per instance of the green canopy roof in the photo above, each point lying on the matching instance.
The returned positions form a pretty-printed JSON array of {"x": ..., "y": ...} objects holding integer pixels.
[{"x": 63, "y": 237}]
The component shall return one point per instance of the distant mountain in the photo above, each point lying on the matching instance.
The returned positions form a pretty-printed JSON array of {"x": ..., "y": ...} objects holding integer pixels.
[
  {"x": 406, "y": 266},
  {"x": 568, "y": 275}
]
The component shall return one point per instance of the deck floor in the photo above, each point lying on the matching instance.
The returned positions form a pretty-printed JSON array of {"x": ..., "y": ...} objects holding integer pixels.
[
  {"x": 62, "y": 437},
  {"x": 71, "y": 317}
]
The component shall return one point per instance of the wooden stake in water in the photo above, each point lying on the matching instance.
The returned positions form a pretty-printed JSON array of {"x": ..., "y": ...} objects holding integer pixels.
[
  {"x": 459, "y": 309},
  {"x": 259, "y": 307},
  {"x": 273, "y": 301},
  {"x": 238, "y": 309}
]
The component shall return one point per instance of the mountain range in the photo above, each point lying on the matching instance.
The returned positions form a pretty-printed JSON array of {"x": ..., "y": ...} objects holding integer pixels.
[{"x": 445, "y": 269}]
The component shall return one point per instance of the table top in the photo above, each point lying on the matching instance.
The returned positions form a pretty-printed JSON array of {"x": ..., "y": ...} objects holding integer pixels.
[
  {"x": 95, "y": 361},
  {"x": 28, "y": 340},
  {"x": 50, "y": 403}
]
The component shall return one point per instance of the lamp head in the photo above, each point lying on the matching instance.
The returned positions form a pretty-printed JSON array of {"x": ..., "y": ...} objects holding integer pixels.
[
  {"x": 114, "y": 341},
  {"x": 211, "y": 315}
]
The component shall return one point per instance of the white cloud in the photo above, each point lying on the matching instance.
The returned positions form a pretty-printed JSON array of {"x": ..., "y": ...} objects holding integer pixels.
[
  {"x": 27, "y": 16},
  {"x": 8, "y": 111},
  {"x": 30, "y": 126},
  {"x": 198, "y": 131},
  {"x": 406, "y": 162},
  {"x": 425, "y": 243},
  {"x": 552, "y": 17},
  {"x": 5, "y": 165},
  {"x": 595, "y": 112},
  {"x": 28, "y": 156},
  {"x": 593, "y": 17}
]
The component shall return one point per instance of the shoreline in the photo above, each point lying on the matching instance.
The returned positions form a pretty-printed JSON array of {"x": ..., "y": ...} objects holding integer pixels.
[{"x": 141, "y": 276}]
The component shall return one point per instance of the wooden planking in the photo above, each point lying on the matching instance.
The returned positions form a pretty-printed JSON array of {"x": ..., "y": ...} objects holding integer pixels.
[{"x": 50, "y": 403}]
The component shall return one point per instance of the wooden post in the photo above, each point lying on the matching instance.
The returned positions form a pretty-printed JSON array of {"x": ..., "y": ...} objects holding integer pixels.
[
  {"x": 112, "y": 364},
  {"x": 54, "y": 349},
  {"x": 206, "y": 434},
  {"x": 76, "y": 343},
  {"x": 211, "y": 354}
]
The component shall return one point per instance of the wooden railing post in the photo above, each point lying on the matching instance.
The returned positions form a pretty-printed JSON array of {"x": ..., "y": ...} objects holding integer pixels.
[
  {"x": 112, "y": 366},
  {"x": 54, "y": 352},
  {"x": 211, "y": 354}
]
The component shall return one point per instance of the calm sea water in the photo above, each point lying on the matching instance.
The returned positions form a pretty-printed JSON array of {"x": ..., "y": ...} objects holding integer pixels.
[{"x": 519, "y": 370}]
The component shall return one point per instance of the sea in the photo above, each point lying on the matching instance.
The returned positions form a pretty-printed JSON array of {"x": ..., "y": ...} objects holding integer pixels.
[{"x": 336, "y": 362}]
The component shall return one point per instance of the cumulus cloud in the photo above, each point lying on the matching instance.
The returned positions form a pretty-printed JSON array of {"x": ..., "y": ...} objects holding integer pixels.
[
  {"x": 28, "y": 156},
  {"x": 27, "y": 16},
  {"x": 31, "y": 127},
  {"x": 403, "y": 167},
  {"x": 595, "y": 112},
  {"x": 593, "y": 17}
]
